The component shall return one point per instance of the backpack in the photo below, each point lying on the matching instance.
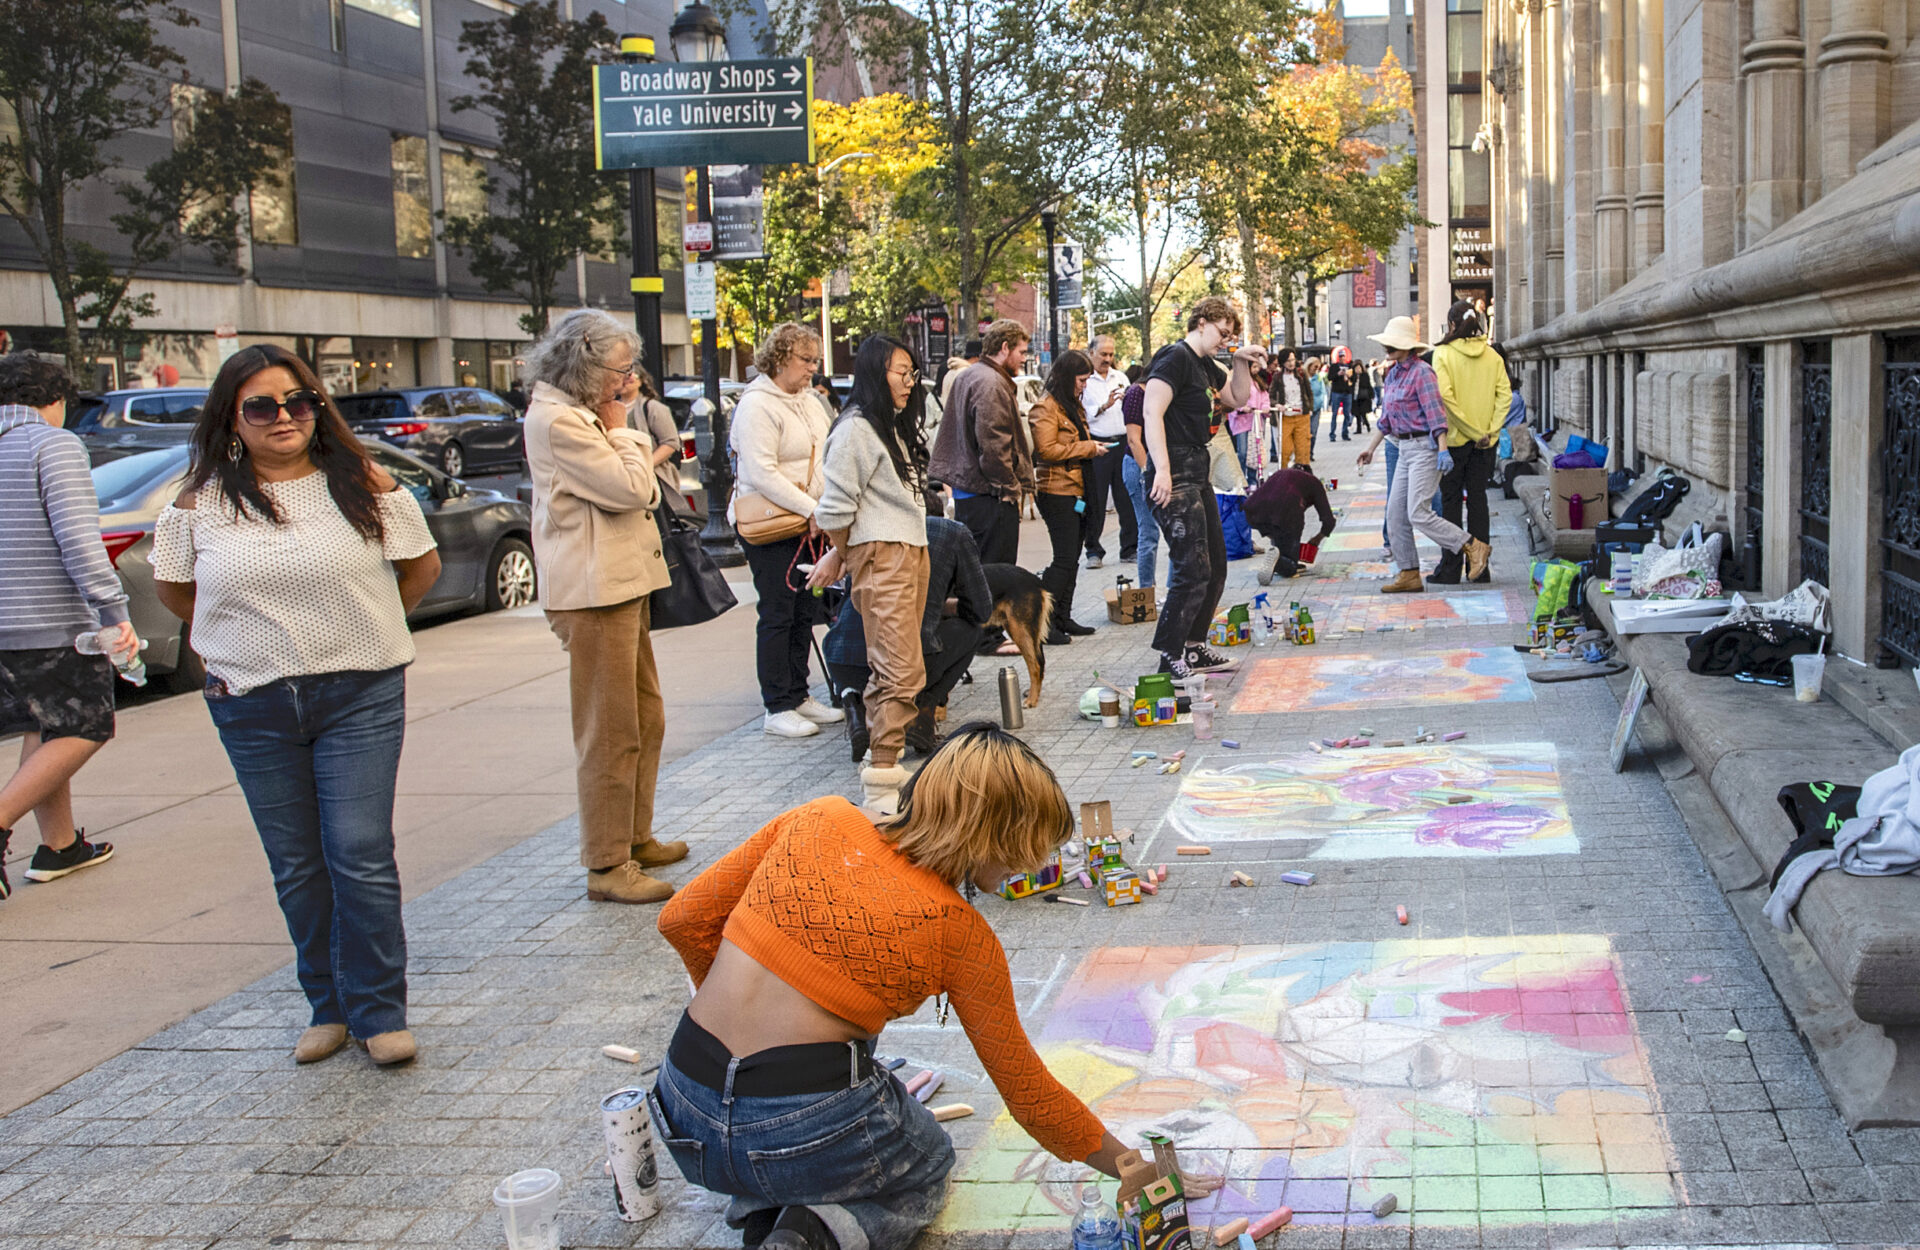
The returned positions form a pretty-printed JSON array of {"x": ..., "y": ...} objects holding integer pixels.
[{"x": 1657, "y": 502}]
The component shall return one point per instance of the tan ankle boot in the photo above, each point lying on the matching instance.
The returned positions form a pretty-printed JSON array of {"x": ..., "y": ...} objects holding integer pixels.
[
  {"x": 652, "y": 854},
  {"x": 387, "y": 1049},
  {"x": 1477, "y": 554},
  {"x": 1408, "y": 581},
  {"x": 318, "y": 1042},
  {"x": 625, "y": 883}
]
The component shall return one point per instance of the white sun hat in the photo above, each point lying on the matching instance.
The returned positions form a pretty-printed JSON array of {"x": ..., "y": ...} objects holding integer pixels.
[{"x": 1399, "y": 335}]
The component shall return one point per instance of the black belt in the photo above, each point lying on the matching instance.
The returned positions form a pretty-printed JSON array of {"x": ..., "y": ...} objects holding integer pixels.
[
  {"x": 776, "y": 1072},
  {"x": 1410, "y": 438}
]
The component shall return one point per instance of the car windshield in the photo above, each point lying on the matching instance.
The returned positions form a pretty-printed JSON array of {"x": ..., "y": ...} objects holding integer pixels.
[{"x": 123, "y": 482}]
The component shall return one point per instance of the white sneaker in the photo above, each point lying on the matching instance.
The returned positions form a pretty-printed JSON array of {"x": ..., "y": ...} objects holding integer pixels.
[
  {"x": 1264, "y": 572},
  {"x": 820, "y": 713},
  {"x": 881, "y": 788},
  {"x": 789, "y": 725}
]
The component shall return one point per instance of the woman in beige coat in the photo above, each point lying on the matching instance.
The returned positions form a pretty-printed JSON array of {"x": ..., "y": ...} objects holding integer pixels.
[{"x": 598, "y": 547}]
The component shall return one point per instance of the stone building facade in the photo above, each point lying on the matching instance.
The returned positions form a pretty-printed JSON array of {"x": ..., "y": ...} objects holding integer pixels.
[{"x": 1705, "y": 244}]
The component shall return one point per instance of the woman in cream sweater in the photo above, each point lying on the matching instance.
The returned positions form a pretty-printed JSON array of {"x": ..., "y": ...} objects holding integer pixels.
[{"x": 778, "y": 440}]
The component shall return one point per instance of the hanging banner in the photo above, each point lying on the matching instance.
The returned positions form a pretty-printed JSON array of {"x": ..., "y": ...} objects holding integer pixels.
[
  {"x": 1069, "y": 262},
  {"x": 739, "y": 213}
]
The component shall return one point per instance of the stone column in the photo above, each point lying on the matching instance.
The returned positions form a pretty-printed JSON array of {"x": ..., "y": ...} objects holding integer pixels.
[
  {"x": 1855, "y": 78},
  {"x": 1534, "y": 115},
  {"x": 436, "y": 353},
  {"x": 1649, "y": 198},
  {"x": 1854, "y": 548},
  {"x": 1610, "y": 206},
  {"x": 1577, "y": 99},
  {"x": 1772, "y": 67},
  {"x": 1552, "y": 88},
  {"x": 1780, "y": 484}
]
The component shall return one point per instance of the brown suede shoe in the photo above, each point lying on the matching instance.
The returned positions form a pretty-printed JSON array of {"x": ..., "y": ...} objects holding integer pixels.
[
  {"x": 1477, "y": 554},
  {"x": 1407, "y": 582},
  {"x": 387, "y": 1049},
  {"x": 318, "y": 1042},
  {"x": 625, "y": 883},
  {"x": 652, "y": 854}
]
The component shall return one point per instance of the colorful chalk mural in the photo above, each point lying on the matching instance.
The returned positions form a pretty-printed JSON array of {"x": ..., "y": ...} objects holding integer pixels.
[
  {"x": 1367, "y": 538},
  {"x": 1367, "y": 613},
  {"x": 1346, "y": 681},
  {"x": 1494, "y": 1080},
  {"x": 1375, "y": 803}
]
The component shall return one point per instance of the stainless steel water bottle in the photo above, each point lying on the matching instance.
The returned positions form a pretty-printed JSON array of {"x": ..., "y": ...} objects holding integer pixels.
[{"x": 1012, "y": 716}]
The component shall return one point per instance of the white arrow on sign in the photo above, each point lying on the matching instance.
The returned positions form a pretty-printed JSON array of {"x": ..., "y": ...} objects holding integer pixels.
[
  {"x": 793, "y": 73},
  {"x": 795, "y": 112}
]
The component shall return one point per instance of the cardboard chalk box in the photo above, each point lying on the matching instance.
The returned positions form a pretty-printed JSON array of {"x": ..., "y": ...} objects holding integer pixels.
[
  {"x": 1131, "y": 605},
  {"x": 1587, "y": 485}
]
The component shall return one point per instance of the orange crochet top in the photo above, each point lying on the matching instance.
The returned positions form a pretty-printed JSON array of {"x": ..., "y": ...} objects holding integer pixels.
[{"x": 829, "y": 906}]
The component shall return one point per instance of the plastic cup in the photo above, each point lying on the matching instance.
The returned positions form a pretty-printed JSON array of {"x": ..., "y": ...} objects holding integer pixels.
[
  {"x": 1110, "y": 709},
  {"x": 529, "y": 1205},
  {"x": 1807, "y": 672},
  {"x": 1203, "y": 719}
]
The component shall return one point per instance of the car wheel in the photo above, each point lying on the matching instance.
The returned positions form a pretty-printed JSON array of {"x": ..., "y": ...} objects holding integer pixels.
[
  {"x": 511, "y": 579},
  {"x": 189, "y": 675},
  {"x": 453, "y": 461}
]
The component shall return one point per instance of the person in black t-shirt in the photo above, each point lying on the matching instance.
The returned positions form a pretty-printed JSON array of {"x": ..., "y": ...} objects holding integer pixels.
[{"x": 1186, "y": 389}]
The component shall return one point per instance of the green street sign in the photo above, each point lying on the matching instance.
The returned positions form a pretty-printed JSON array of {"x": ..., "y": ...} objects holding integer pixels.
[{"x": 713, "y": 113}]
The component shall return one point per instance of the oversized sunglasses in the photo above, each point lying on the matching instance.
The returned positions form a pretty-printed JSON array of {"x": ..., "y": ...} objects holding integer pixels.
[{"x": 301, "y": 406}]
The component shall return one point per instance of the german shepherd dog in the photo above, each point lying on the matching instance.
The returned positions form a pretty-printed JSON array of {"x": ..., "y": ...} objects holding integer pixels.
[{"x": 1021, "y": 607}]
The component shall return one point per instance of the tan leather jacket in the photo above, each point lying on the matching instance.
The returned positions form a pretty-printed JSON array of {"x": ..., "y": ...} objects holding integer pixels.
[
  {"x": 594, "y": 492},
  {"x": 1059, "y": 453}
]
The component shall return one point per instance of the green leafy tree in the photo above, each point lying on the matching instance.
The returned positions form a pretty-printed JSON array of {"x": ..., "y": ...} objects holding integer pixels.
[
  {"x": 546, "y": 203},
  {"x": 79, "y": 74}
]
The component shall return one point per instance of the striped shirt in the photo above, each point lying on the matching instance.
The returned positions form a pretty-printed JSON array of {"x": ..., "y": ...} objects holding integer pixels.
[{"x": 55, "y": 579}]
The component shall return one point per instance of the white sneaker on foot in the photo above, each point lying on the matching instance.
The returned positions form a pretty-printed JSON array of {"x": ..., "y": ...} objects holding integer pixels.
[
  {"x": 789, "y": 724},
  {"x": 820, "y": 713}
]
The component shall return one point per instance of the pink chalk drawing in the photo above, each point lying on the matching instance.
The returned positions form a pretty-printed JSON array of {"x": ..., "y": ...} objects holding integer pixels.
[{"x": 1352, "y": 681}]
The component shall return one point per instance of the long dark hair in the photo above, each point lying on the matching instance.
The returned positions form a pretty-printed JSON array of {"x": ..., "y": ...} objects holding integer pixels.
[
  {"x": 334, "y": 449},
  {"x": 1463, "y": 322},
  {"x": 1068, "y": 369},
  {"x": 871, "y": 395}
]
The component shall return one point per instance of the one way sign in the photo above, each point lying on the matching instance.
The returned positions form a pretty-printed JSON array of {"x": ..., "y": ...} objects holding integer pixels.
[{"x": 712, "y": 113}]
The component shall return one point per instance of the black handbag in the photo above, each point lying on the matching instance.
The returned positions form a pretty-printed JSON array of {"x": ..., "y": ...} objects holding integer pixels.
[{"x": 697, "y": 592}]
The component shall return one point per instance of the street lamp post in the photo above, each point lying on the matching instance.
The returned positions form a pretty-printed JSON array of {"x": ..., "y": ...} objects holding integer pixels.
[
  {"x": 646, "y": 283},
  {"x": 826, "y": 293},
  {"x": 1047, "y": 220},
  {"x": 699, "y": 35}
]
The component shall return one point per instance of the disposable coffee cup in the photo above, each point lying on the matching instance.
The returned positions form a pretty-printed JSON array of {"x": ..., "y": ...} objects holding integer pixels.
[
  {"x": 1110, "y": 709},
  {"x": 1807, "y": 673},
  {"x": 529, "y": 1205}
]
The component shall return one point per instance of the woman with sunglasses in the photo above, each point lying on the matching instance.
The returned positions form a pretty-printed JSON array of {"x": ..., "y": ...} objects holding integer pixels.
[
  {"x": 779, "y": 440},
  {"x": 805, "y": 942},
  {"x": 297, "y": 560}
]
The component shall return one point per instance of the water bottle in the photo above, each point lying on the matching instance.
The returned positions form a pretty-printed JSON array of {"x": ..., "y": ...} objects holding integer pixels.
[
  {"x": 133, "y": 669},
  {"x": 1097, "y": 1227},
  {"x": 1012, "y": 713},
  {"x": 1262, "y": 622}
]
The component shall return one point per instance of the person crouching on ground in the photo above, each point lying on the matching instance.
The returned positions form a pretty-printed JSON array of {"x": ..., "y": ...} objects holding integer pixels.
[
  {"x": 296, "y": 559},
  {"x": 1062, "y": 451},
  {"x": 804, "y": 943},
  {"x": 1278, "y": 509},
  {"x": 598, "y": 546},
  {"x": 874, "y": 510}
]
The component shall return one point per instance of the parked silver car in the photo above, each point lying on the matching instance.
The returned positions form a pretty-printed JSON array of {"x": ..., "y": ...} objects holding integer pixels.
[{"x": 486, "y": 552}]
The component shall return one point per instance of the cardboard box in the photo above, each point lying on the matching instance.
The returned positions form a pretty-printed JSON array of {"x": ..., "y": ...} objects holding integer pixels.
[
  {"x": 1153, "y": 1206},
  {"x": 1131, "y": 605},
  {"x": 1589, "y": 486}
]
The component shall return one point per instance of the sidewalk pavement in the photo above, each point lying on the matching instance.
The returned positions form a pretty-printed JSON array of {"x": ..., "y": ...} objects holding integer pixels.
[{"x": 1539, "y": 1056}]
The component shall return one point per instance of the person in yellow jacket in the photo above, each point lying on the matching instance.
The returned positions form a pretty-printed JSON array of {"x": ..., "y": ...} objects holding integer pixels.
[{"x": 1475, "y": 389}]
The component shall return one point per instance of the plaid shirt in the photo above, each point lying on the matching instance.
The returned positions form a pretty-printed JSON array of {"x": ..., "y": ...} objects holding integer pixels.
[{"x": 1410, "y": 399}]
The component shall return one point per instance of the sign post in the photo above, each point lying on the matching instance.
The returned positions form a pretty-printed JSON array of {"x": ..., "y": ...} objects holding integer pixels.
[{"x": 704, "y": 113}]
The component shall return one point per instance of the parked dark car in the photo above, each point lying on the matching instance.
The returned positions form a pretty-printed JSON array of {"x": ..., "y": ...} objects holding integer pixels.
[
  {"x": 458, "y": 428},
  {"x": 486, "y": 553},
  {"x": 119, "y": 423}
]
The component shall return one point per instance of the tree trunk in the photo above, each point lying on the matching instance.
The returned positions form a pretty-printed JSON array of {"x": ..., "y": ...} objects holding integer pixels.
[{"x": 1250, "y": 274}]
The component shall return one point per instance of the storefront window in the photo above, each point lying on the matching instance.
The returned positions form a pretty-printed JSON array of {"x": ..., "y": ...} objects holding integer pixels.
[
  {"x": 273, "y": 208},
  {"x": 406, "y": 12},
  {"x": 463, "y": 181},
  {"x": 412, "y": 198}
]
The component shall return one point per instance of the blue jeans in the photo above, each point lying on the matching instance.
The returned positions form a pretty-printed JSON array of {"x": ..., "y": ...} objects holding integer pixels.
[
  {"x": 317, "y": 757},
  {"x": 1340, "y": 414},
  {"x": 1148, "y": 549},
  {"x": 869, "y": 1160}
]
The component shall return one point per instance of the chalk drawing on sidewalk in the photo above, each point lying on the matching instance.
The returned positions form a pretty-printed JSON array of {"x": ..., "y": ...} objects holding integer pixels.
[
  {"x": 1489, "y": 1080},
  {"x": 1368, "y": 539},
  {"x": 1333, "y": 682},
  {"x": 1365, "y": 570},
  {"x": 1366, "y": 612},
  {"x": 1378, "y": 803}
]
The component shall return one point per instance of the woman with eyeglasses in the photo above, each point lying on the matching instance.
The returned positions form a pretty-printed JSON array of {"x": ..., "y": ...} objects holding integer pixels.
[
  {"x": 873, "y": 508},
  {"x": 296, "y": 560},
  {"x": 778, "y": 438}
]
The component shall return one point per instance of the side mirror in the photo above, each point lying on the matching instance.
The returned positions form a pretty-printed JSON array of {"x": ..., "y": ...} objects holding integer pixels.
[{"x": 452, "y": 488}]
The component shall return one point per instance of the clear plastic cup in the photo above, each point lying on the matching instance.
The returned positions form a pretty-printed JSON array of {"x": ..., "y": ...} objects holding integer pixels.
[
  {"x": 1203, "y": 719},
  {"x": 529, "y": 1205},
  {"x": 1807, "y": 673}
]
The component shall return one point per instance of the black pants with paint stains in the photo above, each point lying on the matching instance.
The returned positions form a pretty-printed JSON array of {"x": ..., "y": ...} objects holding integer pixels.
[{"x": 1196, "y": 551}]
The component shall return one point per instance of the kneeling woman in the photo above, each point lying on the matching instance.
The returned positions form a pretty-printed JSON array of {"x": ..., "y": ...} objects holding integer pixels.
[{"x": 804, "y": 942}]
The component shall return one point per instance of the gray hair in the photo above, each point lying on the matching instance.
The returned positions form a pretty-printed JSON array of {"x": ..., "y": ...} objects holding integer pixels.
[
  {"x": 1093, "y": 344},
  {"x": 572, "y": 356}
]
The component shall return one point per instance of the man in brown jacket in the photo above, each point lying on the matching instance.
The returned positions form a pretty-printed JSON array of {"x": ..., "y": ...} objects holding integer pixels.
[{"x": 980, "y": 452}]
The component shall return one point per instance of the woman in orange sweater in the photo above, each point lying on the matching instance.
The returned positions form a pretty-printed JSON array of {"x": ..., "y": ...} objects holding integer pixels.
[{"x": 804, "y": 943}]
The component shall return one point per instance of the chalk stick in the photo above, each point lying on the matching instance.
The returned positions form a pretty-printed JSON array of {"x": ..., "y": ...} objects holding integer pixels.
[
  {"x": 1424, "y": 738},
  {"x": 1230, "y": 744},
  {"x": 1361, "y": 742},
  {"x": 1386, "y": 1206},
  {"x": 1171, "y": 766},
  {"x": 1365, "y": 733},
  {"x": 1329, "y": 742},
  {"x": 1297, "y": 878},
  {"x": 1459, "y": 798},
  {"x": 1086, "y": 882},
  {"x": 1241, "y": 878},
  {"x": 1267, "y": 1223},
  {"x": 1455, "y": 736},
  {"x": 1418, "y": 730},
  {"x": 1150, "y": 886},
  {"x": 1194, "y": 850},
  {"x": 918, "y": 1081},
  {"x": 1316, "y": 748},
  {"x": 1245, "y": 1242},
  {"x": 1736, "y": 1035},
  {"x": 1177, "y": 756},
  {"x": 1069, "y": 900},
  {"x": 1163, "y": 872},
  {"x": 625, "y": 1054},
  {"x": 1139, "y": 760},
  {"x": 1400, "y": 913},
  {"x": 1394, "y": 742},
  {"x": 1146, "y": 755},
  {"x": 952, "y": 1111},
  {"x": 928, "y": 1090},
  {"x": 1227, "y": 1232}
]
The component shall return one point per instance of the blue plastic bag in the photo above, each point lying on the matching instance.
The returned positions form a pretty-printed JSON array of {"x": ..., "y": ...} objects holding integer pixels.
[
  {"x": 1506, "y": 444},
  {"x": 1233, "y": 523}
]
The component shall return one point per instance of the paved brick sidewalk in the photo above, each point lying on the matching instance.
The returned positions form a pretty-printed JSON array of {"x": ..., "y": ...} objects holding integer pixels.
[{"x": 1538, "y": 1058}]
